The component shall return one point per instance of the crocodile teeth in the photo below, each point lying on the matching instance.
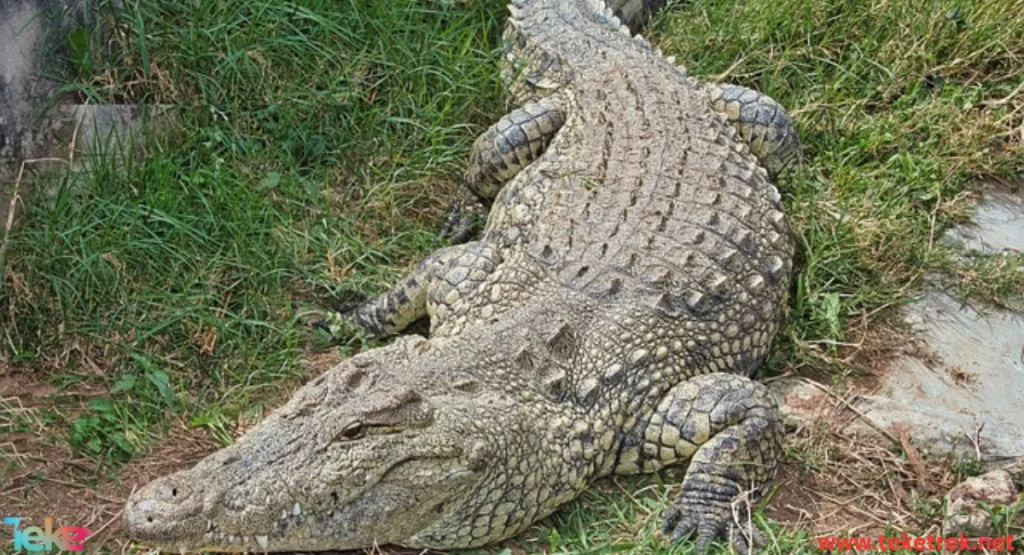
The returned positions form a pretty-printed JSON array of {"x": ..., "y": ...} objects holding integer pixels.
[
  {"x": 263, "y": 541},
  {"x": 209, "y": 525},
  {"x": 245, "y": 539},
  {"x": 671, "y": 60},
  {"x": 182, "y": 549},
  {"x": 296, "y": 510},
  {"x": 284, "y": 514}
]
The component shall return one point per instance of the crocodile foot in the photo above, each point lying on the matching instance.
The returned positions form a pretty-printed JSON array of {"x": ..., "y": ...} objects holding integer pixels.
[
  {"x": 334, "y": 321},
  {"x": 687, "y": 517},
  {"x": 465, "y": 219}
]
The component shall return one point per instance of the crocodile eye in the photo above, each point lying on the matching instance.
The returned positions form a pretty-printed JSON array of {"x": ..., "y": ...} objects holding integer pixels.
[{"x": 353, "y": 430}]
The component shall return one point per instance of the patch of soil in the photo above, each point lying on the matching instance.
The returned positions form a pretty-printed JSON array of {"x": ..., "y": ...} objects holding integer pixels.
[
  {"x": 878, "y": 346},
  {"x": 40, "y": 475},
  {"x": 839, "y": 483}
]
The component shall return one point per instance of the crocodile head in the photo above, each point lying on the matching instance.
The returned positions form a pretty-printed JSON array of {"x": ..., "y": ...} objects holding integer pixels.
[{"x": 358, "y": 457}]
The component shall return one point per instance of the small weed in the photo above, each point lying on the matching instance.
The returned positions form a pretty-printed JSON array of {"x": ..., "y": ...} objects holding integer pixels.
[
  {"x": 966, "y": 467},
  {"x": 100, "y": 433},
  {"x": 927, "y": 509}
]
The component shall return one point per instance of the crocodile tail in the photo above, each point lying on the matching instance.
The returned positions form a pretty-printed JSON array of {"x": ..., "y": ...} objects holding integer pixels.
[
  {"x": 634, "y": 14},
  {"x": 631, "y": 14},
  {"x": 607, "y": 12},
  {"x": 627, "y": 16},
  {"x": 624, "y": 16}
]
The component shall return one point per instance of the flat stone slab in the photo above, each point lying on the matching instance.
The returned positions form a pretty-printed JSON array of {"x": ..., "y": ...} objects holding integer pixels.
[
  {"x": 968, "y": 388},
  {"x": 997, "y": 226},
  {"x": 83, "y": 133},
  {"x": 969, "y": 385},
  {"x": 114, "y": 129}
]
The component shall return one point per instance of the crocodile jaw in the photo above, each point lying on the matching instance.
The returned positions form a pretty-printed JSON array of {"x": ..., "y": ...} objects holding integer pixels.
[
  {"x": 383, "y": 514},
  {"x": 296, "y": 482}
]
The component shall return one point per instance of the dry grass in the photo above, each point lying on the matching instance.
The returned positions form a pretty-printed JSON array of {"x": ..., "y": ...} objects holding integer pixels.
[{"x": 843, "y": 483}]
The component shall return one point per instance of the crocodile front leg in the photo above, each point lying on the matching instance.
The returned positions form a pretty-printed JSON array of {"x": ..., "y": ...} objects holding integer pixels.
[
  {"x": 508, "y": 146},
  {"x": 438, "y": 282},
  {"x": 729, "y": 428},
  {"x": 761, "y": 122}
]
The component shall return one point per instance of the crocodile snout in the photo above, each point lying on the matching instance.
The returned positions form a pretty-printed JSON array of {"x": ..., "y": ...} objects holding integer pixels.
[{"x": 165, "y": 510}]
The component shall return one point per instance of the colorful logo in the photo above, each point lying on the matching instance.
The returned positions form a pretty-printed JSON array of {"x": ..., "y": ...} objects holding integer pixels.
[{"x": 34, "y": 538}]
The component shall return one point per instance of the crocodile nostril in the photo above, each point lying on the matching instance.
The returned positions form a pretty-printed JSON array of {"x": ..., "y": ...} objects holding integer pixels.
[{"x": 174, "y": 492}]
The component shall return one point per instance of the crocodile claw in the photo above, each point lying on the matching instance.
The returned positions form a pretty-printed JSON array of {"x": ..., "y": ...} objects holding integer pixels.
[
  {"x": 711, "y": 523},
  {"x": 325, "y": 322},
  {"x": 464, "y": 220},
  {"x": 336, "y": 323}
]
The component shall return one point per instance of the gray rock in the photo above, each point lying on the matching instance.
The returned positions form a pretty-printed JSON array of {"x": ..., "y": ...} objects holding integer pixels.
[
  {"x": 964, "y": 511},
  {"x": 961, "y": 392},
  {"x": 801, "y": 403},
  {"x": 968, "y": 386}
]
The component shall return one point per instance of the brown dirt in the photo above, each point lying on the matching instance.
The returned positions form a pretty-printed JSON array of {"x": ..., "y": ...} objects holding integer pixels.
[
  {"x": 40, "y": 476},
  {"x": 842, "y": 479},
  {"x": 842, "y": 484}
]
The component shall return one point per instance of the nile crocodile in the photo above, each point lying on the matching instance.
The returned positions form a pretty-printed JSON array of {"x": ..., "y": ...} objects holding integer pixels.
[{"x": 629, "y": 280}]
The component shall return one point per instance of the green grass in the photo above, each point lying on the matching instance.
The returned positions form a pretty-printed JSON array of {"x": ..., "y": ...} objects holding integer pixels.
[
  {"x": 624, "y": 516},
  {"x": 325, "y": 142},
  {"x": 327, "y": 137}
]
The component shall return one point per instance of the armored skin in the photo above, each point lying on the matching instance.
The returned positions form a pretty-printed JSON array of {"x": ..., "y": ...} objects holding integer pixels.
[
  {"x": 628, "y": 282},
  {"x": 533, "y": 68}
]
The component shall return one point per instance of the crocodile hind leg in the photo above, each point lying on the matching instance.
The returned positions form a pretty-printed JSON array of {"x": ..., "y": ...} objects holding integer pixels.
[
  {"x": 437, "y": 282},
  {"x": 508, "y": 146},
  {"x": 763, "y": 124},
  {"x": 729, "y": 428}
]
